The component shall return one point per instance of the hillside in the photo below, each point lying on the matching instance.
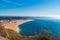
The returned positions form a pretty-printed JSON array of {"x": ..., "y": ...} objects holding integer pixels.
[{"x": 7, "y": 33}]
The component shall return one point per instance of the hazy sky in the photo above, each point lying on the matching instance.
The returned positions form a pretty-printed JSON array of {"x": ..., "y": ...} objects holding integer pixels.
[{"x": 29, "y": 7}]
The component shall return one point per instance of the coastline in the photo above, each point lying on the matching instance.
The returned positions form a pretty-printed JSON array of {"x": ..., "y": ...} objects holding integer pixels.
[{"x": 14, "y": 25}]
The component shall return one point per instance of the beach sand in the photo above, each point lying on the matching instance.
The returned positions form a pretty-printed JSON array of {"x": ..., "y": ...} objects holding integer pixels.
[{"x": 14, "y": 26}]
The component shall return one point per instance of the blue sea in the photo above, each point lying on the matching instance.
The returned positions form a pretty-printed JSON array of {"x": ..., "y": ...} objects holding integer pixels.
[{"x": 38, "y": 26}]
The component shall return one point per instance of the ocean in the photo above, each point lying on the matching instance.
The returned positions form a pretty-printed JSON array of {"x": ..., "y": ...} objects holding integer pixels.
[{"x": 38, "y": 26}]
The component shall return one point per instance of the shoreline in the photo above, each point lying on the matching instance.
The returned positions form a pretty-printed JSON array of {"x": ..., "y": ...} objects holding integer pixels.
[{"x": 14, "y": 25}]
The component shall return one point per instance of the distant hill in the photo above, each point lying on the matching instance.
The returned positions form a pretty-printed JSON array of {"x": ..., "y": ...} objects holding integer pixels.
[{"x": 20, "y": 17}]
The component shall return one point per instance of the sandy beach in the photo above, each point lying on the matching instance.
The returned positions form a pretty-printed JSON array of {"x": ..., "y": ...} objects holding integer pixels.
[{"x": 14, "y": 25}]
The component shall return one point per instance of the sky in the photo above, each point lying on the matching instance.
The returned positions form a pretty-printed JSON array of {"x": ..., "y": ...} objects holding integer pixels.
[{"x": 30, "y": 8}]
